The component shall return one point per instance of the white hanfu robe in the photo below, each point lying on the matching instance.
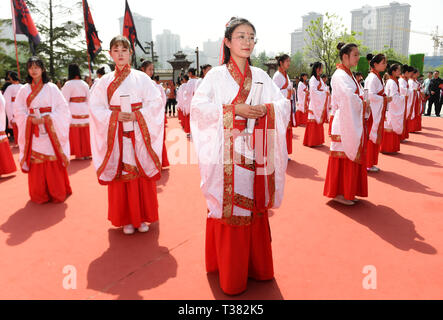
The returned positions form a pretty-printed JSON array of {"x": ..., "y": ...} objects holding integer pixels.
[
  {"x": 375, "y": 88},
  {"x": 10, "y": 96},
  {"x": 72, "y": 90},
  {"x": 104, "y": 126},
  {"x": 53, "y": 143},
  {"x": 396, "y": 108},
  {"x": 347, "y": 133},
  {"x": 406, "y": 91},
  {"x": 302, "y": 91},
  {"x": 317, "y": 103},
  {"x": 211, "y": 112}
]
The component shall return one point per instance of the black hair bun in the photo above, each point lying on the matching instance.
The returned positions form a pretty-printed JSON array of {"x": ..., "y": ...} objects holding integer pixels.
[
  {"x": 311, "y": 65},
  {"x": 370, "y": 56},
  {"x": 340, "y": 45}
]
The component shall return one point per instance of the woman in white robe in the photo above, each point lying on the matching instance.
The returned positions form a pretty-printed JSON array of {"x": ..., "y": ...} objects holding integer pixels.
[
  {"x": 188, "y": 94},
  {"x": 346, "y": 175},
  {"x": 7, "y": 164},
  {"x": 394, "y": 122},
  {"x": 318, "y": 102},
  {"x": 76, "y": 93},
  {"x": 10, "y": 95},
  {"x": 148, "y": 68},
  {"x": 282, "y": 81},
  {"x": 378, "y": 104},
  {"x": 180, "y": 100},
  {"x": 127, "y": 127},
  {"x": 414, "y": 123},
  {"x": 43, "y": 118},
  {"x": 301, "y": 114},
  {"x": 238, "y": 185},
  {"x": 406, "y": 91}
]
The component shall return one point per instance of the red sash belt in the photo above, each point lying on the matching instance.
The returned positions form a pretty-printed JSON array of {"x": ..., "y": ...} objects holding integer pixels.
[
  {"x": 77, "y": 99},
  {"x": 35, "y": 129},
  {"x": 240, "y": 124},
  {"x": 79, "y": 117},
  {"x": 42, "y": 110},
  {"x": 134, "y": 106},
  {"x": 12, "y": 99}
]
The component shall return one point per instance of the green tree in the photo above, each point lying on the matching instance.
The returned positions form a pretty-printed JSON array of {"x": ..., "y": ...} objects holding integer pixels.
[
  {"x": 393, "y": 55},
  {"x": 7, "y": 52},
  {"x": 260, "y": 60},
  {"x": 62, "y": 32},
  {"x": 298, "y": 65},
  {"x": 324, "y": 38}
]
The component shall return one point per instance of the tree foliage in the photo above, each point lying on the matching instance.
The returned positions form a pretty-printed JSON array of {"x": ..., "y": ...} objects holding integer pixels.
[
  {"x": 323, "y": 39},
  {"x": 260, "y": 60},
  {"x": 62, "y": 39},
  {"x": 298, "y": 65}
]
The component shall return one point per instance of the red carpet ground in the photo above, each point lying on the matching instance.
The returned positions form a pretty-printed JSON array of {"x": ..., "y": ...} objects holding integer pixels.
[{"x": 320, "y": 248}]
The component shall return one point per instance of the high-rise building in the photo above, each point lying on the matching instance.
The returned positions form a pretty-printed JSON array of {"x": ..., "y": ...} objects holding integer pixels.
[
  {"x": 385, "y": 26},
  {"x": 143, "y": 26},
  {"x": 300, "y": 36},
  {"x": 211, "y": 52},
  {"x": 166, "y": 45}
]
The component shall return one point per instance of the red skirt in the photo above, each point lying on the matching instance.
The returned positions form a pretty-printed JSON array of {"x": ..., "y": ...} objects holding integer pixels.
[
  {"x": 180, "y": 116},
  {"x": 132, "y": 202},
  {"x": 289, "y": 139},
  {"x": 186, "y": 125},
  {"x": 79, "y": 141},
  {"x": 345, "y": 177},
  {"x": 372, "y": 154},
  {"x": 390, "y": 142},
  {"x": 314, "y": 134},
  {"x": 414, "y": 125},
  {"x": 48, "y": 182},
  {"x": 239, "y": 252},
  {"x": 405, "y": 134},
  {"x": 301, "y": 118},
  {"x": 165, "y": 161},
  {"x": 330, "y": 125},
  {"x": 7, "y": 164},
  {"x": 15, "y": 132}
]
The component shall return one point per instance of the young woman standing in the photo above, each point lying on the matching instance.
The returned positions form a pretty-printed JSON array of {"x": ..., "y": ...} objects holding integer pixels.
[
  {"x": 76, "y": 93},
  {"x": 301, "y": 115},
  {"x": 394, "y": 122},
  {"x": 318, "y": 95},
  {"x": 127, "y": 127},
  {"x": 237, "y": 182},
  {"x": 282, "y": 81},
  {"x": 346, "y": 175},
  {"x": 378, "y": 104},
  {"x": 43, "y": 119}
]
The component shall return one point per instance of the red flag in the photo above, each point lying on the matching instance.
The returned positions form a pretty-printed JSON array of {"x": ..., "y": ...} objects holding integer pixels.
[
  {"x": 24, "y": 24},
  {"x": 92, "y": 40},
  {"x": 129, "y": 29}
]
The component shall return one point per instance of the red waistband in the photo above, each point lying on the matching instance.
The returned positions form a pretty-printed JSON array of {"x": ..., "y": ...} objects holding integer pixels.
[
  {"x": 77, "y": 99},
  {"x": 240, "y": 124},
  {"x": 134, "y": 106},
  {"x": 42, "y": 110}
]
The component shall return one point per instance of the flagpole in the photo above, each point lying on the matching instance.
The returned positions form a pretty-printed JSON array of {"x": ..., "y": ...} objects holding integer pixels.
[
  {"x": 86, "y": 36},
  {"x": 15, "y": 38}
]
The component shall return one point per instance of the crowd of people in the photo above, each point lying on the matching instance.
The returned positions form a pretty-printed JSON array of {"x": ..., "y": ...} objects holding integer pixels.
[{"x": 240, "y": 122}]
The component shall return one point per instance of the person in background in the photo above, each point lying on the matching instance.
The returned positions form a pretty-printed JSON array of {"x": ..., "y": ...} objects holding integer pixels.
[
  {"x": 425, "y": 87},
  {"x": 435, "y": 94}
]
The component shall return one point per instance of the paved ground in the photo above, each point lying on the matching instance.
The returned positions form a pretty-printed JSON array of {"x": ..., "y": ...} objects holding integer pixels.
[{"x": 320, "y": 248}]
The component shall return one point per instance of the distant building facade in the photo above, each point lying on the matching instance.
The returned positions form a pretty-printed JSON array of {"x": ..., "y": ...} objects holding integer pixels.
[{"x": 384, "y": 26}]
